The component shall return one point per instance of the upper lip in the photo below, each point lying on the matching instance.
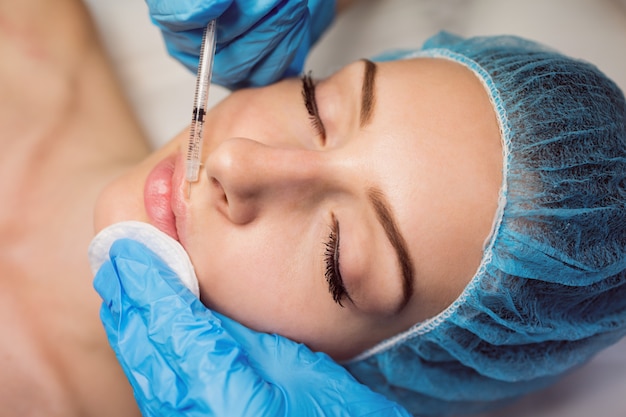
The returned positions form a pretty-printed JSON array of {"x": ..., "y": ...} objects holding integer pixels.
[{"x": 179, "y": 204}]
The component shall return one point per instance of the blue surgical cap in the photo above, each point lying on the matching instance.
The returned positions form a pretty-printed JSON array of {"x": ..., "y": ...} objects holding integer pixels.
[{"x": 550, "y": 291}]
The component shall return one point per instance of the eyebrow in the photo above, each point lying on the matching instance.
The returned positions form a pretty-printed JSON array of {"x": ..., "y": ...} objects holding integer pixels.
[
  {"x": 386, "y": 219},
  {"x": 367, "y": 92}
]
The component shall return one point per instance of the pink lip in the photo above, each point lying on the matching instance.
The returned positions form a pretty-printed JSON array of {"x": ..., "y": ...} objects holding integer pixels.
[{"x": 161, "y": 195}]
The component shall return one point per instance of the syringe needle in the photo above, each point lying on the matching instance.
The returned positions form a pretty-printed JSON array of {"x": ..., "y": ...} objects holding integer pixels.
[{"x": 203, "y": 82}]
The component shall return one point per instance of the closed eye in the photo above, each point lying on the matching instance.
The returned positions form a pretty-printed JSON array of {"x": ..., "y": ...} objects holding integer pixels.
[
  {"x": 336, "y": 286},
  {"x": 308, "y": 95}
]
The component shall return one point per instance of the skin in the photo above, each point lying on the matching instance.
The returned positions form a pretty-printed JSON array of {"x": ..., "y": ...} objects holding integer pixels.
[
  {"x": 256, "y": 223},
  {"x": 83, "y": 160},
  {"x": 60, "y": 146}
]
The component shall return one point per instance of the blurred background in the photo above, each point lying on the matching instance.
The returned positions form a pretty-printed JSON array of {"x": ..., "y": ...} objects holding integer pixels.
[{"x": 161, "y": 91}]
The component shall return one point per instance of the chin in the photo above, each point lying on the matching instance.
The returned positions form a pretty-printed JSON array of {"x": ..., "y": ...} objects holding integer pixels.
[{"x": 120, "y": 200}]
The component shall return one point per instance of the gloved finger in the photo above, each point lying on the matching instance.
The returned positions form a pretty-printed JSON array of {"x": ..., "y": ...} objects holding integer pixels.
[
  {"x": 109, "y": 289},
  {"x": 181, "y": 15},
  {"x": 188, "y": 41},
  {"x": 188, "y": 337},
  {"x": 158, "y": 388},
  {"x": 297, "y": 62},
  {"x": 184, "y": 46},
  {"x": 274, "y": 65},
  {"x": 126, "y": 332},
  {"x": 274, "y": 52},
  {"x": 189, "y": 61},
  {"x": 137, "y": 360},
  {"x": 247, "y": 19},
  {"x": 135, "y": 278},
  {"x": 277, "y": 357},
  {"x": 270, "y": 350},
  {"x": 137, "y": 266},
  {"x": 293, "y": 365},
  {"x": 322, "y": 14}
]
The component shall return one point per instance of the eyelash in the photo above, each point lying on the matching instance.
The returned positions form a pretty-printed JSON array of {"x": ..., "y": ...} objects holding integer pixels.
[
  {"x": 332, "y": 274},
  {"x": 308, "y": 94},
  {"x": 331, "y": 252}
]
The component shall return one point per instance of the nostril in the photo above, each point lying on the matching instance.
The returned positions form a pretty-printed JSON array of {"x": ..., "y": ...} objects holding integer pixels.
[{"x": 220, "y": 190}]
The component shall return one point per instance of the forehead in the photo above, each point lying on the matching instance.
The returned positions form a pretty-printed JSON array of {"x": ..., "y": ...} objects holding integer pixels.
[
  {"x": 443, "y": 171},
  {"x": 432, "y": 86}
]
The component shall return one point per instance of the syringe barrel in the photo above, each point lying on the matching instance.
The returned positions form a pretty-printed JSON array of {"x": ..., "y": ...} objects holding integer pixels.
[{"x": 201, "y": 98}]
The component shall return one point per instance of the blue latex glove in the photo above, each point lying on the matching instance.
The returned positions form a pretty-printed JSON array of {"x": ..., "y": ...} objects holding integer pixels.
[
  {"x": 258, "y": 41},
  {"x": 183, "y": 359}
]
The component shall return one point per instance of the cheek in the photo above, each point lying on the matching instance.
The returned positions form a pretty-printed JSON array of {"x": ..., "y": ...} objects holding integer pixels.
[
  {"x": 244, "y": 280},
  {"x": 258, "y": 285},
  {"x": 273, "y": 115},
  {"x": 244, "y": 277}
]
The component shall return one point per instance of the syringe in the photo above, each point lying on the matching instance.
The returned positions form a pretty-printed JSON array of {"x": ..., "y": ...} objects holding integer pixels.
[{"x": 203, "y": 82}]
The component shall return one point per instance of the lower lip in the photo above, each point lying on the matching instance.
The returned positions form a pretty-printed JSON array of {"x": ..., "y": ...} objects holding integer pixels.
[{"x": 157, "y": 196}]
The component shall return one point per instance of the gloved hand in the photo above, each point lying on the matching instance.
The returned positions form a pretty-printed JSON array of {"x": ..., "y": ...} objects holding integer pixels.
[
  {"x": 185, "y": 360},
  {"x": 258, "y": 42}
]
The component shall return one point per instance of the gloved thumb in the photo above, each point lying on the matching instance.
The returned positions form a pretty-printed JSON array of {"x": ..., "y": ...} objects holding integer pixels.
[{"x": 180, "y": 15}]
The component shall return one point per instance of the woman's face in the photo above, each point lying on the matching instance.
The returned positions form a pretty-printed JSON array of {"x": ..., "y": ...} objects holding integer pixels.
[{"x": 338, "y": 219}]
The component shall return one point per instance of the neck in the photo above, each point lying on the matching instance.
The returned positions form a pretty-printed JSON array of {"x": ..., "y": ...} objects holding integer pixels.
[{"x": 62, "y": 142}]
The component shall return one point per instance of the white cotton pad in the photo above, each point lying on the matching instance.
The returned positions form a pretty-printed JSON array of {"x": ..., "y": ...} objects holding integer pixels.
[{"x": 168, "y": 249}]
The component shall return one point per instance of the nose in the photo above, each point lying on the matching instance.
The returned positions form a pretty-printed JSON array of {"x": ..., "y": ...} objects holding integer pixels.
[{"x": 253, "y": 177}]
